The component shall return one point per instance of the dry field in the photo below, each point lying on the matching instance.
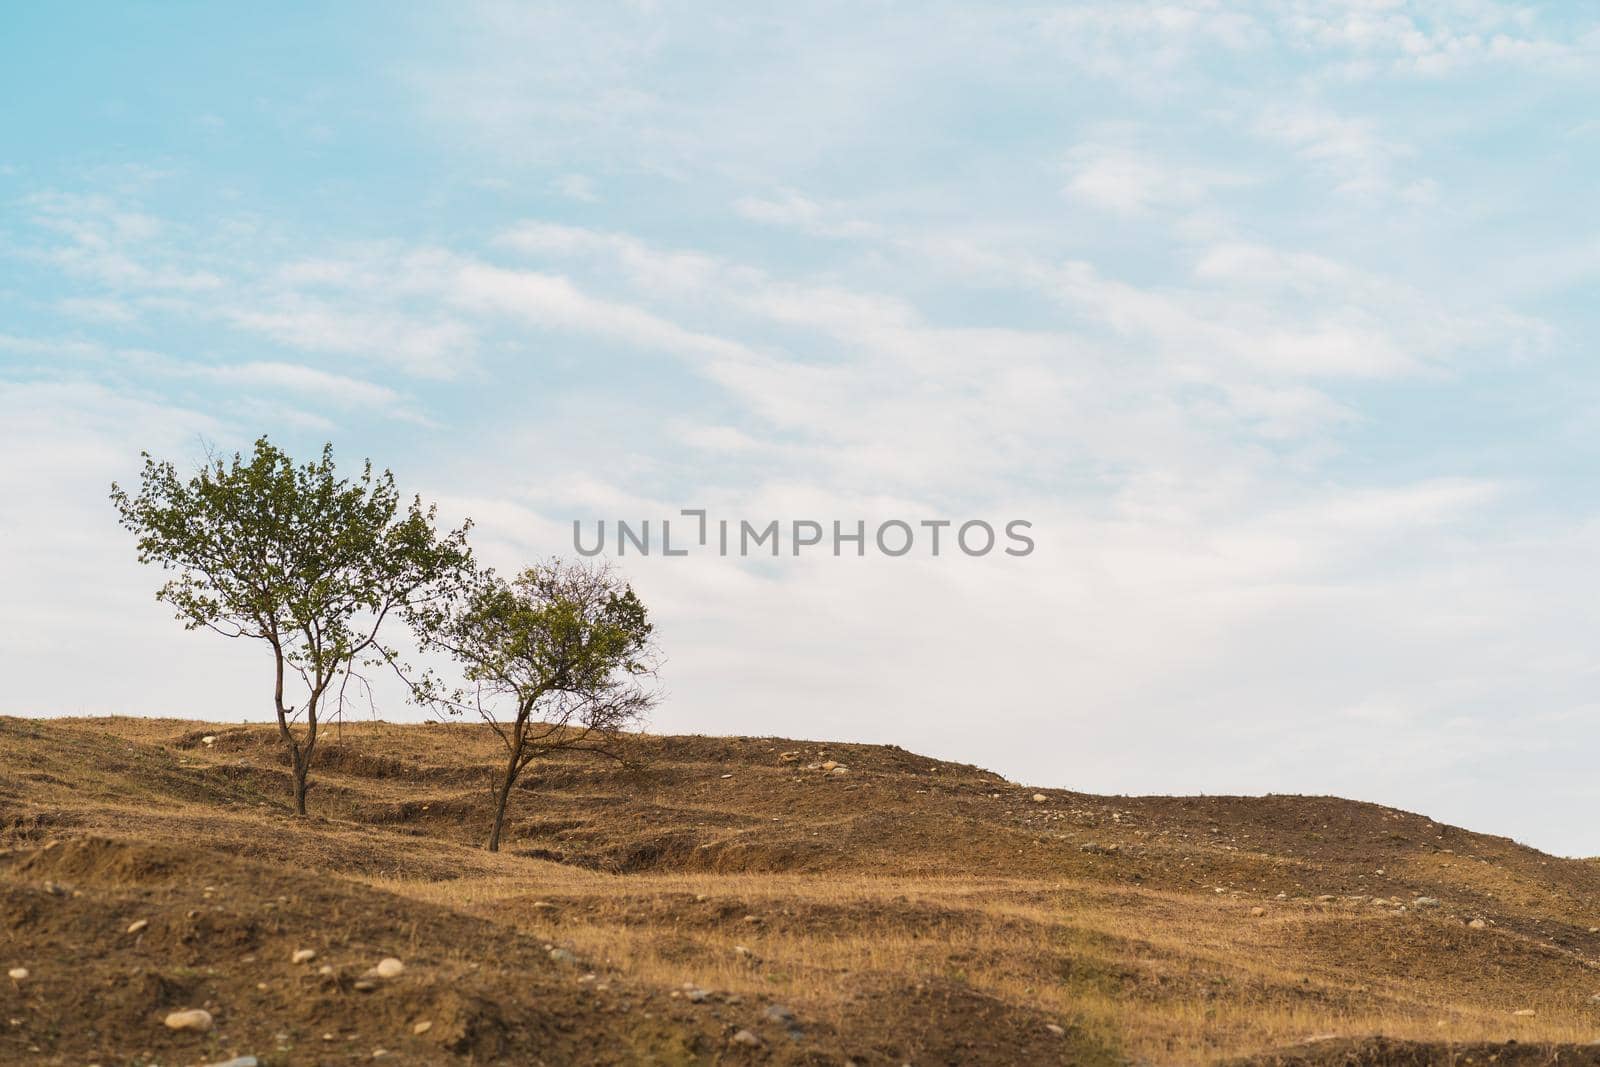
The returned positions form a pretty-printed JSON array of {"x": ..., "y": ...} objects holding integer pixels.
[{"x": 728, "y": 900}]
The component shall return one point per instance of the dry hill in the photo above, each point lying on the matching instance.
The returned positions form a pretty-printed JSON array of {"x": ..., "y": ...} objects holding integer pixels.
[{"x": 739, "y": 901}]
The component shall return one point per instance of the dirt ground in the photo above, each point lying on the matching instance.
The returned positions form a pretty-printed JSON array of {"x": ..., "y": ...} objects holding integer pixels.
[{"x": 739, "y": 901}]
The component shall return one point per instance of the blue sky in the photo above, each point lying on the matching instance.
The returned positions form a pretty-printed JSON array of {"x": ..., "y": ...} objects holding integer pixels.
[{"x": 1275, "y": 319}]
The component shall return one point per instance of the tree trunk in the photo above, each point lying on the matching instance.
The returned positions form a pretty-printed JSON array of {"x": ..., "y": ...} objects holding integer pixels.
[
  {"x": 502, "y": 799},
  {"x": 300, "y": 765}
]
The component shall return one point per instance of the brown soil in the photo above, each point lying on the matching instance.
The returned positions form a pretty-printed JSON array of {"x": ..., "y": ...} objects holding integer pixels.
[{"x": 908, "y": 911}]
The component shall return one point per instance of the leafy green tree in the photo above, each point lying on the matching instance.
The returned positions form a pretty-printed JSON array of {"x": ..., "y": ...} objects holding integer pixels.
[
  {"x": 310, "y": 563},
  {"x": 559, "y": 657}
]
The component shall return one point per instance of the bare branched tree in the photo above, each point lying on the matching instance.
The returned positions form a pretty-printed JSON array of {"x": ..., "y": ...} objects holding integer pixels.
[
  {"x": 312, "y": 564},
  {"x": 559, "y": 657}
]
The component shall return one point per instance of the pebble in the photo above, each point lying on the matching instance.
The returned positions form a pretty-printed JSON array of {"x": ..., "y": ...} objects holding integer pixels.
[
  {"x": 137, "y": 925},
  {"x": 237, "y": 1061},
  {"x": 746, "y": 1038},
  {"x": 196, "y": 1019},
  {"x": 423, "y": 1027},
  {"x": 1525, "y": 1012},
  {"x": 1425, "y": 902},
  {"x": 829, "y": 765},
  {"x": 1040, "y": 798},
  {"x": 1478, "y": 924},
  {"x": 209, "y": 739},
  {"x": 1059, "y": 1031},
  {"x": 389, "y": 967},
  {"x": 561, "y": 955},
  {"x": 18, "y": 974},
  {"x": 303, "y": 955},
  {"x": 778, "y": 1013},
  {"x": 1258, "y": 912},
  {"x": 840, "y": 770},
  {"x": 365, "y": 985}
]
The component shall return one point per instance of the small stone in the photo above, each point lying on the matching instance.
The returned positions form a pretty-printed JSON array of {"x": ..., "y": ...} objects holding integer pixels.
[
  {"x": 1526, "y": 1013},
  {"x": 137, "y": 925},
  {"x": 1326, "y": 898},
  {"x": 726, "y": 776},
  {"x": 788, "y": 757},
  {"x": 379, "y": 1053},
  {"x": 196, "y": 1020},
  {"x": 752, "y": 919},
  {"x": 747, "y": 1039},
  {"x": 326, "y": 970},
  {"x": 365, "y": 985},
  {"x": 1059, "y": 1031},
  {"x": 1478, "y": 924},
  {"x": 828, "y": 765},
  {"x": 561, "y": 955},
  {"x": 840, "y": 770},
  {"x": 209, "y": 739},
  {"x": 18, "y": 974},
  {"x": 238, "y": 1061},
  {"x": 423, "y": 1027},
  {"x": 389, "y": 967},
  {"x": 1040, "y": 798},
  {"x": 303, "y": 955},
  {"x": 740, "y": 950},
  {"x": 697, "y": 996},
  {"x": 777, "y": 1013},
  {"x": 543, "y": 905},
  {"x": 1425, "y": 902},
  {"x": 1258, "y": 911}
]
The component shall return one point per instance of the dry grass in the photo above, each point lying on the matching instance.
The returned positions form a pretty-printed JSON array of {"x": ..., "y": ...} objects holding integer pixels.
[{"x": 907, "y": 875}]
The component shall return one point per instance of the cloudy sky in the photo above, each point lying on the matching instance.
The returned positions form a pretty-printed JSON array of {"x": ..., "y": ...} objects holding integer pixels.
[{"x": 1275, "y": 319}]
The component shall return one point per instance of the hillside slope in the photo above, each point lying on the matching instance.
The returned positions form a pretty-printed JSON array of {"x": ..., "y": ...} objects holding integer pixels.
[{"x": 737, "y": 900}]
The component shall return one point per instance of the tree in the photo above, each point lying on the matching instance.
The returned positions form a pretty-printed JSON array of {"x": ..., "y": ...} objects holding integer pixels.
[
  {"x": 556, "y": 658},
  {"x": 312, "y": 564}
]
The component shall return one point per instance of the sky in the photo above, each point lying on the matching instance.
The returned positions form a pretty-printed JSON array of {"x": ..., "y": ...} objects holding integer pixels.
[{"x": 1275, "y": 320}]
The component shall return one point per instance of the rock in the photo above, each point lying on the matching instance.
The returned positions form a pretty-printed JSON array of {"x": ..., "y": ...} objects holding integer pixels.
[
  {"x": 697, "y": 996},
  {"x": 1425, "y": 902},
  {"x": 196, "y": 1020},
  {"x": 561, "y": 955},
  {"x": 1478, "y": 924},
  {"x": 828, "y": 765},
  {"x": 543, "y": 905},
  {"x": 1258, "y": 911},
  {"x": 1059, "y": 1031},
  {"x": 1326, "y": 898},
  {"x": 840, "y": 770},
  {"x": 777, "y": 1013},
  {"x": 1526, "y": 1013},
  {"x": 1040, "y": 798},
  {"x": 747, "y": 1039},
  {"x": 788, "y": 757},
  {"x": 209, "y": 739},
  {"x": 388, "y": 967},
  {"x": 137, "y": 925},
  {"x": 18, "y": 974},
  {"x": 752, "y": 919},
  {"x": 325, "y": 970},
  {"x": 237, "y": 1061},
  {"x": 423, "y": 1027},
  {"x": 365, "y": 985},
  {"x": 303, "y": 955},
  {"x": 740, "y": 950}
]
